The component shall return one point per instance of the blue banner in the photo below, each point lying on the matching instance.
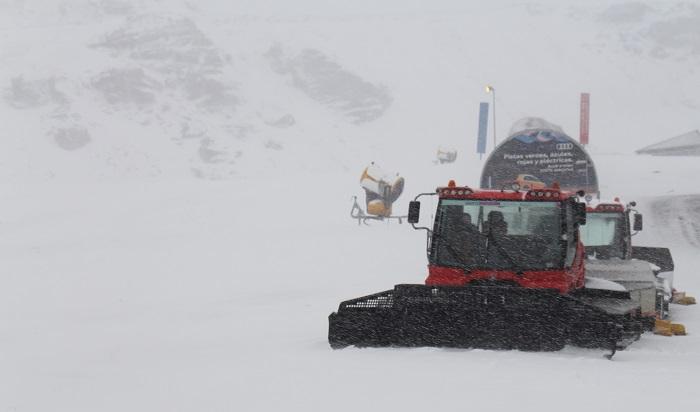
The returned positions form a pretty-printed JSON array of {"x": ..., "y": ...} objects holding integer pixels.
[{"x": 483, "y": 127}]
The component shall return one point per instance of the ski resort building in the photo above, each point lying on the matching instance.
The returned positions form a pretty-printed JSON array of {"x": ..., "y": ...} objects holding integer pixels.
[{"x": 687, "y": 144}]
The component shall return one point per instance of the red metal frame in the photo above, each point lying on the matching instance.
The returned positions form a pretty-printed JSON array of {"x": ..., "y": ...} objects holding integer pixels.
[
  {"x": 466, "y": 193},
  {"x": 564, "y": 280}
]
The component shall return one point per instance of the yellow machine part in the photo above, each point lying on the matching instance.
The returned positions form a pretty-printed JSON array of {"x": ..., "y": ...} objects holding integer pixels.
[
  {"x": 377, "y": 208},
  {"x": 663, "y": 328},
  {"x": 366, "y": 175},
  {"x": 678, "y": 329},
  {"x": 680, "y": 298},
  {"x": 686, "y": 300},
  {"x": 667, "y": 328}
]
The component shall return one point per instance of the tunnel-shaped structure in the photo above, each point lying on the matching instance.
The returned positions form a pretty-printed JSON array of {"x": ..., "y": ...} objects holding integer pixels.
[{"x": 538, "y": 158}]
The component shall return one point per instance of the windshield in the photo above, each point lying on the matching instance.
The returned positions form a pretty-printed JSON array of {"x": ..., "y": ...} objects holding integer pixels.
[
  {"x": 603, "y": 234},
  {"x": 601, "y": 229},
  {"x": 512, "y": 235}
]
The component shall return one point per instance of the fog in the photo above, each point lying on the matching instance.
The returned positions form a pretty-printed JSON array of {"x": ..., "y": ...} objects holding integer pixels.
[{"x": 178, "y": 175}]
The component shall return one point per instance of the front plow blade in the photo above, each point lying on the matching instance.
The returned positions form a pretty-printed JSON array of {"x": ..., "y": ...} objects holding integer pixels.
[
  {"x": 660, "y": 256},
  {"x": 492, "y": 317}
]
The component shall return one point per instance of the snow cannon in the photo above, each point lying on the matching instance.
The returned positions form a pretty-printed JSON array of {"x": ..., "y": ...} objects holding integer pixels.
[
  {"x": 506, "y": 270},
  {"x": 446, "y": 155},
  {"x": 381, "y": 191}
]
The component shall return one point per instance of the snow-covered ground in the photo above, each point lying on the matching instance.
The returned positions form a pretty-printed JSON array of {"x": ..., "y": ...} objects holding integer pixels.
[
  {"x": 174, "y": 219},
  {"x": 192, "y": 295}
]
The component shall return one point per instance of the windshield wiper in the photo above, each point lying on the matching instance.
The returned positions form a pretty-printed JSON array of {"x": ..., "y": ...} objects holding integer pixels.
[
  {"x": 466, "y": 267},
  {"x": 491, "y": 238},
  {"x": 451, "y": 248}
]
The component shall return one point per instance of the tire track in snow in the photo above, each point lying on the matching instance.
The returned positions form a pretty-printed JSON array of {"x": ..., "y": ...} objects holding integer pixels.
[{"x": 678, "y": 215}]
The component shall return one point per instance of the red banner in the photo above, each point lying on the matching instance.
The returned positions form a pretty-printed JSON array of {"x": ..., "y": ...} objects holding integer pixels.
[{"x": 585, "y": 117}]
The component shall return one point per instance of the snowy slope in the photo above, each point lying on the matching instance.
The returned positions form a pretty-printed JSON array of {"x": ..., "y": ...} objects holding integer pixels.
[
  {"x": 219, "y": 89},
  {"x": 177, "y": 179}
]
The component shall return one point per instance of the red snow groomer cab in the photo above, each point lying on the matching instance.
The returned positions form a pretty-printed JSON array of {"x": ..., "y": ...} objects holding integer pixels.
[
  {"x": 506, "y": 270},
  {"x": 646, "y": 272}
]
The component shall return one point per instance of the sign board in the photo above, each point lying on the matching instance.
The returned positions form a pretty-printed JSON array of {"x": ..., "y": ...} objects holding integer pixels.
[
  {"x": 585, "y": 117},
  {"x": 483, "y": 127},
  {"x": 537, "y": 158}
]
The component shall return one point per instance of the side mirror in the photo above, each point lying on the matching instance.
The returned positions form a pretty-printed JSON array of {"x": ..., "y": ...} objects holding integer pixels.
[
  {"x": 637, "y": 226},
  {"x": 413, "y": 211},
  {"x": 580, "y": 213}
]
